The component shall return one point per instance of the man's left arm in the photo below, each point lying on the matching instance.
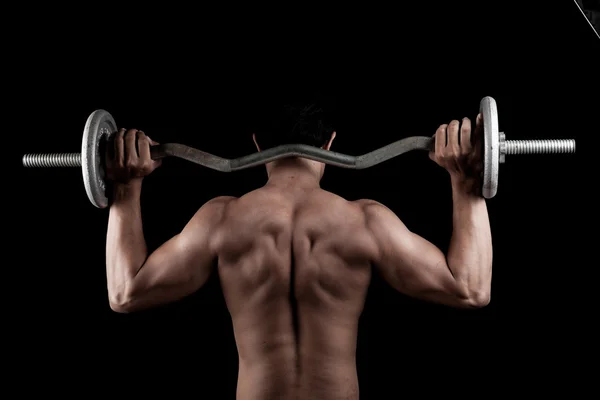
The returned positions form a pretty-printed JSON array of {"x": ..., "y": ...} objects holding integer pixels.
[{"x": 176, "y": 269}]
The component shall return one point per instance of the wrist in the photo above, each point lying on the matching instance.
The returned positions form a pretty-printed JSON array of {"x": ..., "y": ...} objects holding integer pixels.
[
  {"x": 127, "y": 191},
  {"x": 465, "y": 185}
]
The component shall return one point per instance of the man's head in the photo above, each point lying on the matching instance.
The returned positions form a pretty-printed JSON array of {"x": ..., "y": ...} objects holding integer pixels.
[{"x": 300, "y": 123}]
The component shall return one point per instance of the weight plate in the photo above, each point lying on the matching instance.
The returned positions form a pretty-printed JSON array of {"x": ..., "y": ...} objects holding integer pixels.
[
  {"x": 491, "y": 146},
  {"x": 99, "y": 125}
]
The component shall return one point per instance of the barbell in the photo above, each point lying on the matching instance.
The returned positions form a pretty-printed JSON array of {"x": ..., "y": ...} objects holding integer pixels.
[{"x": 100, "y": 126}]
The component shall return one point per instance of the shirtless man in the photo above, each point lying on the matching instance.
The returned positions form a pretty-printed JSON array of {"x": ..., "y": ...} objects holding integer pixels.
[{"x": 295, "y": 261}]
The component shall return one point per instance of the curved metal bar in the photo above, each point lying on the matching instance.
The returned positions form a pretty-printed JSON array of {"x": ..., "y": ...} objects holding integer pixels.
[
  {"x": 395, "y": 149},
  {"x": 190, "y": 154},
  {"x": 292, "y": 150}
]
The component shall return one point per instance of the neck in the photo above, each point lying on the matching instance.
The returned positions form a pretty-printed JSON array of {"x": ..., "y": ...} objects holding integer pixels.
[{"x": 294, "y": 171}]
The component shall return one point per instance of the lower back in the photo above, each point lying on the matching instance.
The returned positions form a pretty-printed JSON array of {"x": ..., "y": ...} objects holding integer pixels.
[
  {"x": 309, "y": 376},
  {"x": 312, "y": 358}
]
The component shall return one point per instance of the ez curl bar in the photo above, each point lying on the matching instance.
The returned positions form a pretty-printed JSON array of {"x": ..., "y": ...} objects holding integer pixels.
[{"x": 100, "y": 126}]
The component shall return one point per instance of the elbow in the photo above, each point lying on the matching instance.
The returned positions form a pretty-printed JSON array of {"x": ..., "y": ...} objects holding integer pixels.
[
  {"x": 121, "y": 301},
  {"x": 473, "y": 297},
  {"x": 479, "y": 298},
  {"x": 120, "y": 307},
  {"x": 474, "y": 294}
]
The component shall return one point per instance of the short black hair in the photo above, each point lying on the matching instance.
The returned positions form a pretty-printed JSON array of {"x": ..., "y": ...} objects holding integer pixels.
[{"x": 296, "y": 123}]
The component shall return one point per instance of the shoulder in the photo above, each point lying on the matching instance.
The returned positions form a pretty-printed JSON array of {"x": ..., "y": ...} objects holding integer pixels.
[
  {"x": 371, "y": 207},
  {"x": 220, "y": 201},
  {"x": 212, "y": 211},
  {"x": 377, "y": 216}
]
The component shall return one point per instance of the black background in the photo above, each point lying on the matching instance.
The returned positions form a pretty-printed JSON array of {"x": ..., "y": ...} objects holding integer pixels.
[{"x": 201, "y": 77}]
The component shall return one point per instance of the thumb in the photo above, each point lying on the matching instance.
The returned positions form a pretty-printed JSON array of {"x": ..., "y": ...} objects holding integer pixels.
[
  {"x": 152, "y": 142},
  {"x": 156, "y": 163},
  {"x": 479, "y": 122}
]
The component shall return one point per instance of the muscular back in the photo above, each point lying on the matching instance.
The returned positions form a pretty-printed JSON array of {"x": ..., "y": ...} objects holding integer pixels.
[{"x": 294, "y": 267}]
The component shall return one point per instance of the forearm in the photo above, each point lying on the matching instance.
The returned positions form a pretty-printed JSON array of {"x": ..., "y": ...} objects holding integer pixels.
[
  {"x": 470, "y": 251},
  {"x": 126, "y": 249}
]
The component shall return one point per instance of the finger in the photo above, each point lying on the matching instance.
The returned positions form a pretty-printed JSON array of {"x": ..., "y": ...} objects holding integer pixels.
[
  {"x": 432, "y": 155},
  {"x": 479, "y": 120},
  {"x": 131, "y": 155},
  {"x": 465, "y": 135},
  {"x": 440, "y": 139},
  {"x": 477, "y": 136},
  {"x": 119, "y": 148},
  {"x": 144, "y": 148},
  {"x": 152, "y": 142},
  {"x": 478, "y": 128},
  {"x": 453, "y": 143}
]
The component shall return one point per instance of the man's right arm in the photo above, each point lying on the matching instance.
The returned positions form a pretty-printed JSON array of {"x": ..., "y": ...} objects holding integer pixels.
[{"x": 416, "y": 267}]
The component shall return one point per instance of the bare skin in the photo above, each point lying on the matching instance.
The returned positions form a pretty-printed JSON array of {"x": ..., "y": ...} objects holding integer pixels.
[{"x": 295, "y": 263}]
